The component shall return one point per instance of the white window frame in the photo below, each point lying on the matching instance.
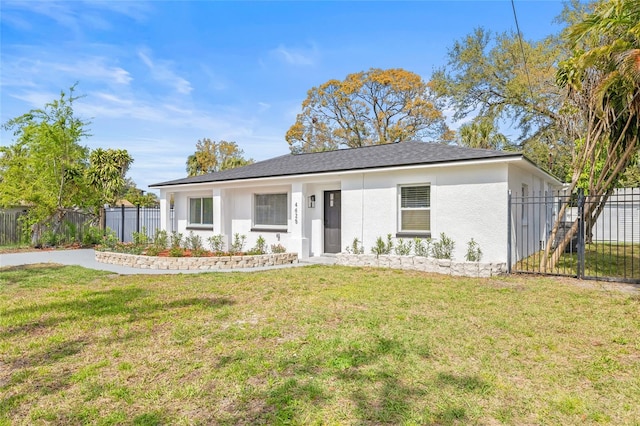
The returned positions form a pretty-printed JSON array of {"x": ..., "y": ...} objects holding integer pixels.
[
  {"x": 413, "y": 232},
  {"x": 269, "y": 227},
  {"x": 199, "y": 225}
]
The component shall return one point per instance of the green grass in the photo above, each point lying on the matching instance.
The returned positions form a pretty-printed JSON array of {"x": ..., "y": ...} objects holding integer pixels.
[
  {"x": 313, "y": 345},
  {"x": 601, "y": 260}
]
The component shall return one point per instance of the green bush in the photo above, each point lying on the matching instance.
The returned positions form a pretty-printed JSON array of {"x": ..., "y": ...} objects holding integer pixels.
[
  {"x": 217, "y": 243},
  {"x": 381, "y": 247},
  {"x": 260, "y": 247},
  {"x": 238, "y": 244},
  {"x": 153, "y": 250},
  {"x": 422, "y": 247},
  {"x": 474, "y": 254},
  {"x": 403, "y": 248},
  {"x": 140, "y": 238},
  {"x": 443, "y": 249},
  {"x": 176, "y": 251},
  {"x": 355, "y": 247},
  {"x": 161, "y": 239},
  {"x": 176, "y": 239},
  {"x": 91, "y": 235},
  {"x": 193, "y": 242}
]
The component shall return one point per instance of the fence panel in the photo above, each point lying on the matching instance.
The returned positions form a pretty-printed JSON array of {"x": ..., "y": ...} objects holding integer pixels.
[
  {"x": 607, "y": 249},
  {"x": 124, "y": 221},
  {"x": 10, "y": 231},
  {"x": 71, "y": 229}
]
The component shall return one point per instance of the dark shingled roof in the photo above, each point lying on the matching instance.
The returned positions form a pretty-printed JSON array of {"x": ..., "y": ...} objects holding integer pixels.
[{"x": 370, "y": 157}]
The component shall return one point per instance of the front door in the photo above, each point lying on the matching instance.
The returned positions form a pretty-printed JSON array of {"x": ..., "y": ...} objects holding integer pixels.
[{"x": 332, "y": 222}]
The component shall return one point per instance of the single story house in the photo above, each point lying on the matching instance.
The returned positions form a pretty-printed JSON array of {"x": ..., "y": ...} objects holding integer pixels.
[{"x": 318, "y": 203}]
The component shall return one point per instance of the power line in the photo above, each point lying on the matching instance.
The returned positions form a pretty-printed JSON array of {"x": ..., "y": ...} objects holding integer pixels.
[{"x": 524, "y": 58}]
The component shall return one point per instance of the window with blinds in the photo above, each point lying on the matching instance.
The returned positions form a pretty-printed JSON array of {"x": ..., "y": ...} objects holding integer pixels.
[
  {"x": 270, "y": 211},
  {"x": 201, "y": 211},
  {"x": 415, "y": 208}
]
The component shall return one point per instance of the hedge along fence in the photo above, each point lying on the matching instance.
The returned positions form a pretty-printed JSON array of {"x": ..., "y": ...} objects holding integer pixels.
[
  {"x": 196, "y": 263},
  {"x": 424, "y": 264}
]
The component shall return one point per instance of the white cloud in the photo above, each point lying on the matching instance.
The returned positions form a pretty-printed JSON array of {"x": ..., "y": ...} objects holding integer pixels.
[
  {"x": 296, "y": 56},
  {"x": 161, "y": 72}
]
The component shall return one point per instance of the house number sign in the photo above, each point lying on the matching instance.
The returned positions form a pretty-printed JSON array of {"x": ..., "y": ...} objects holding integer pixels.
[{"x": 295, "y": 213}]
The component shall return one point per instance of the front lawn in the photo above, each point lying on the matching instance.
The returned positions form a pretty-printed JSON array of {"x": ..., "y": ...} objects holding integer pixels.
[{"x": 313, "y": 345}]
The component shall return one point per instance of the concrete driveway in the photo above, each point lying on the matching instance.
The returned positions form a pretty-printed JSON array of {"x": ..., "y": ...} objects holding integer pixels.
[{"x": 86, "y": 258}]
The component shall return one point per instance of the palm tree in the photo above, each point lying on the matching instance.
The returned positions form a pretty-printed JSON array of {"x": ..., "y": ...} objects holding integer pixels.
[{"x": 602, "y": 112}]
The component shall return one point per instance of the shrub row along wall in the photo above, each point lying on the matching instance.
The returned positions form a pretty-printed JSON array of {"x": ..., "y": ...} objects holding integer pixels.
[
  {"x": 197, "y": 263},
  {"x": 420, "y": 263}
]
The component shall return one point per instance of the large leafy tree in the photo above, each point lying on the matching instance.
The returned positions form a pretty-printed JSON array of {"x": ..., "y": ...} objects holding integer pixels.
[
  {"x": 50, "y": 171},
  {"x": 45, "y": 166},
  {"x": 602, "y": 109},
  {"x": 486, "y": 78},
  {"x": 212, "y": 156},
  {"x": 106, "y": 174},
  {"x": 367, "y": 108}
]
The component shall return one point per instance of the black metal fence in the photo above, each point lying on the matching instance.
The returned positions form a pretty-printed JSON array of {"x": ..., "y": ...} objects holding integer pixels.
[
  {"x": 607, "y": 248},
  {"x": 124, "y": 221}
]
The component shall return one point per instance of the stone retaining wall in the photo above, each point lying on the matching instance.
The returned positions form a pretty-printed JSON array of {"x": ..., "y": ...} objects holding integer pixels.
[
  {"x": 420, "y": 263},
  {"x": 197, "y": 263}
]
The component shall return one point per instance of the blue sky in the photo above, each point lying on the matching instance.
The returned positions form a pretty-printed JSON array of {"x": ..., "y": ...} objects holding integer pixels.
[{"x": 159, "y": 75}]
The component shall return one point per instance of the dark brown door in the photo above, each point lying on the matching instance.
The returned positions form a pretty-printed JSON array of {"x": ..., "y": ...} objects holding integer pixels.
[{"x": 332, "y": 222}]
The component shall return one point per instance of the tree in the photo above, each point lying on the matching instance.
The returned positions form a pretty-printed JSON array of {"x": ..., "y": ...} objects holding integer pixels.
[
  {"x": 602, "y": 108},
  {"x": 106, "y": 174},
  {"x": 45, "y": 166},
  {"x": 212, "y": 156},
  {"x": 481, "y": 133},
  {"x": 486, "y": 78},
  {"x": 367, "y": 108}
]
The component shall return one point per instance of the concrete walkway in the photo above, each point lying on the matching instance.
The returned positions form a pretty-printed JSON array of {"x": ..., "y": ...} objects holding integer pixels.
[{"x": 87, "y": 259}]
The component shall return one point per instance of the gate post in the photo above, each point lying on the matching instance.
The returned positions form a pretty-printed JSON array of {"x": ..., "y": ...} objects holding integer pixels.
[
  {"x": 122, "y": 228},
  {"x": 580, "y": 242},
  {"x": 138, "y": 218},
  {"x": 509, "y": 232}
]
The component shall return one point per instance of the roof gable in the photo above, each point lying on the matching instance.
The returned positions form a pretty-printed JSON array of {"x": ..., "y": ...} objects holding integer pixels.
[{"x": 370, "y": 157}]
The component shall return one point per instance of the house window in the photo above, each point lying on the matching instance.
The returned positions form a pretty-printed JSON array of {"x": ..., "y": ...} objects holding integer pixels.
[
  {"x": 201, "y": 211},
  {"x": 415, "y": 209},
  {"x": 270, "y": 211}
]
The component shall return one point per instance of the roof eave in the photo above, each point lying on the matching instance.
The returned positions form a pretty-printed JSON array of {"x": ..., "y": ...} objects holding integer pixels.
[{"x": 491, "y": 159}]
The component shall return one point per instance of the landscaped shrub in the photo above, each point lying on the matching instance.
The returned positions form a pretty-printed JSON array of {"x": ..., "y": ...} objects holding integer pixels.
[
  {"x": 193, "y": 242},
  {"x": 260, "y": 247},
  {"x": 217, "y": 243},
  {"x": 109, "y": 241},
  {"x": 153, "y": 250},
  {"x": 355, "y": 247},
  {"x": 422, "y": 247},
  {"x": 91, "y": 235},
  {"x": 381, "y": 247},
  {"x": 176, "y": 239},
  {"x": 443, "y": 249},
  {"x": 140, "y": 238},
  {"x": 161, "y": 239},
  {"x": 238, "y": 244},
  {"x": 403, "y": 248},
  {"x": 49, "y": 239},
  {"x": 176, "y": 251},
  {"x": 278, "y": 248},
  {"x": 474, "y": 254}
]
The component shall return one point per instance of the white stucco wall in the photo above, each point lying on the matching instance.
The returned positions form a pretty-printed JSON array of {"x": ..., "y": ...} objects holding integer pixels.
[
  {"x": 531, "y": 221},
  {"x": 467, "y": 201}
]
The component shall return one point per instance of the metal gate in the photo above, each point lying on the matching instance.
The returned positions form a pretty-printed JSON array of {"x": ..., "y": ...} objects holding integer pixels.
[{"x": 607, "y": 249}]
